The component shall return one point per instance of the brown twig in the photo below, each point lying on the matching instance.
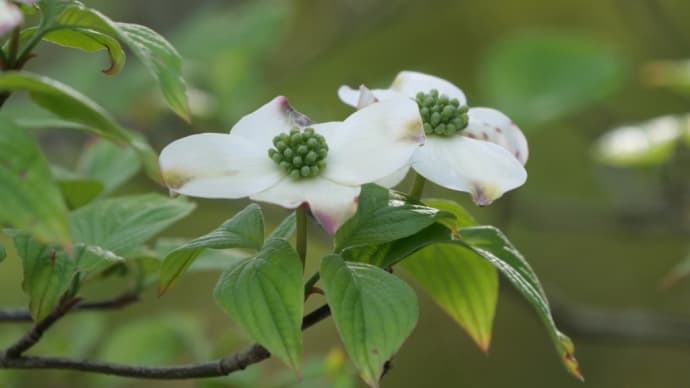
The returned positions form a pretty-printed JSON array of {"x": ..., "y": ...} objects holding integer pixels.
[
  {"x": 36, "y": 332},
  {"x": 123, "y": 300},
  {"x": 222, "y": 367}
]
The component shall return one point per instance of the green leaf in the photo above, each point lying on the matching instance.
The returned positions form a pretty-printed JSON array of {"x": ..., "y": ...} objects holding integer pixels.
[
  {"x": 162, "y": 61},
  {"x": 535, "y": 78},
  {"x": 286, "y": 228},
  {"x": 244, "y": 230},
  {"x": 208, "y": 259},
  {"x": 109, "y": 163},
  {"x": 3, "y": 253},
  {"x": 47, "y": 274},
  {"x": 30, "y": 198},
  {"x": 148, "y": 157},
  {"x": 374, "y": 312},
  {"x": 121, "y": 225},
  {"x": 389, "y": 254},
  {"x": 462, "y": 219},
  {"x": 65, "y": 102},
  {"x": 90, "y": 41},
  {"x": 265, "y": 295},
  {"x": 462, "y": 283},
  {"x": 156, "y": 53},
  {"x": 383, "y": 216},
  {"x": 93, "y": 258},
  {"x": 50, "y": 9},
  {"x": 79, "y": 191},
  {"x": 492, "y": 245}
]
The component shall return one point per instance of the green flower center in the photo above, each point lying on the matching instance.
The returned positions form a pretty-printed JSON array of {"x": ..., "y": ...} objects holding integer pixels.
[
  {"x": 441, "y": 116},
  {"x": 301, "y": 154}
]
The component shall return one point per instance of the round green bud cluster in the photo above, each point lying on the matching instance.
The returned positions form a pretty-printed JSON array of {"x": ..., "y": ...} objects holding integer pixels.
[
  {"x": 441, "y": 116},
  {"x": 301, "y": 154}
]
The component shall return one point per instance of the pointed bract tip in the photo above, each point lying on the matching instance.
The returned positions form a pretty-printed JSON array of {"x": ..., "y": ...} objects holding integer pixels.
[
  {"x": 162, "y": 290},
  {"x": 573, "y": 366},
  {"x": 484, "y": 345}
]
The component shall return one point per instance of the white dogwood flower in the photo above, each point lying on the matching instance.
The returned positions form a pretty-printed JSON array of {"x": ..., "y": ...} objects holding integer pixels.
[
  {"x": 476, "y": 150},
  {"x": 277, "y": 155}
]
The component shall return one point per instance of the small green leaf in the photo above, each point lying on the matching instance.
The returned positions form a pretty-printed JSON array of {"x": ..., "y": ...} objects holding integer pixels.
[
  {"x": 30, "y": 198},
  {"x": 90, "y": 41},
  {"x": 383, "y": 216},
  {"x": 109, "y": 163},
  {"x": 121, "y": 225},
  {"x": 156, "y": 53},
  {"x": 244, "y": 230},
  {"x": 462, "y": 283},
  {"x": 265, "y": 295},
  {"x": 492, "y": 245},
  {"x": 374, "y": 312},
  {"x": 286, "y": 228},
  {"x": 3, "y": 253},
  {"x": 47, "y": 274}
]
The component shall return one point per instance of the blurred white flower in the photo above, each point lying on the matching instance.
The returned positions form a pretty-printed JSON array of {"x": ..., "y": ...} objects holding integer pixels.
[
  {"x": 647, "y": 143},
  {"x": 277, "y": 155},
  {"x": 476, "y": 150},
  {"x": 10, "y": 16}
]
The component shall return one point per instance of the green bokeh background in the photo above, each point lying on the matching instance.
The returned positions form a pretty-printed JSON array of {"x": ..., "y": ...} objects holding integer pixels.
[{"x": 596, "y": 236}]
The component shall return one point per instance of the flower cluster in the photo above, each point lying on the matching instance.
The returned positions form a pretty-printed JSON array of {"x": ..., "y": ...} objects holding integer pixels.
[
  {"x": 11, "y": 15},
  {"x": 278, "y": 155},
  {"x": 486, "y": 158},
  {"x": 370, "y": 144}
]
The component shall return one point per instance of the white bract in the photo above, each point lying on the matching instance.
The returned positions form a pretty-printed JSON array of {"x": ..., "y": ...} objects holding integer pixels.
[
  {"x": 485, "y": 159},
  {"x": 320, "y": 165}
]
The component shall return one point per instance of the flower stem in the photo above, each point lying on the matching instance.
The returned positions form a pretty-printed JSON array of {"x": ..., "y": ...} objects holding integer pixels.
[
  {"x": 311, "y": 282},
  {"x": 301, "y": 213},
  {"x": 417, "y": 187},
  {"x": 14, "y": 46}
]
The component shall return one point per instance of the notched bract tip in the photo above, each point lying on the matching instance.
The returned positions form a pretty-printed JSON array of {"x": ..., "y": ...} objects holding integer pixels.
[
  {"x": 294, "y": 117},
  {"x": 366, "y": 97}
]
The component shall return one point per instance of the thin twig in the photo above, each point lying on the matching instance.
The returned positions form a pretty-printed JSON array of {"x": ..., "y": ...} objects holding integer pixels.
[
  {"x": 123, "y": 300},
  {"x": 222, "y": 367},
  {"x": 34, "y": 334}
]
